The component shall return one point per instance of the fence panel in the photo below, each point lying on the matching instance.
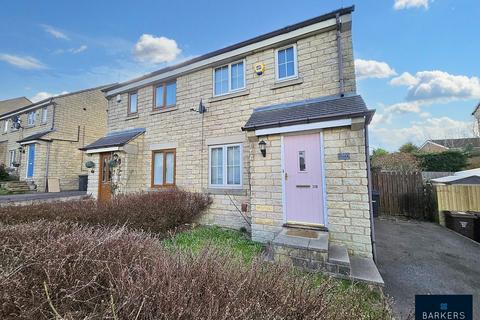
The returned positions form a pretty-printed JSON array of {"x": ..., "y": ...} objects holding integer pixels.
[
  {"x": 458, "y": 197},
  {"x": 403, "y": 194}
]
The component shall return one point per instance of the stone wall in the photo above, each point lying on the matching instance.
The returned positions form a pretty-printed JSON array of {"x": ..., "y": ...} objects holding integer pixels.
[
  {"x": 191, "y": 133},
  {"x": 347, "y": 190}
]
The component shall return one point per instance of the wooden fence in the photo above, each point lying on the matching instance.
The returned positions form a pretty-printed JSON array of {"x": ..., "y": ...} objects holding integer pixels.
[
  {"x": 458, "y": 197},
  {"x": 404, "y": 194}
]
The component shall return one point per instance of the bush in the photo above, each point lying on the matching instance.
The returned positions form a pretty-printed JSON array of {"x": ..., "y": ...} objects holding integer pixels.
[
  {"x": 448, "y": 161},
  {"x": 396, "y": 161},
  {"x": 58, "y": 270},
  {"x": 3, "y": 172},
  {"x": 149, "y": 211}
]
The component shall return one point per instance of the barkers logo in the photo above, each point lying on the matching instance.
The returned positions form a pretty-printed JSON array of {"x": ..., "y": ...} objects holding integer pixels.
[{"x": 443, "y": 307}]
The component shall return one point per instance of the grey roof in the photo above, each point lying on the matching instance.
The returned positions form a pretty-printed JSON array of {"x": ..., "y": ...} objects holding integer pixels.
[
  {"x": 13, "y": 104},
  {"x": 290, "y": 28},
  {"x": 49, "y": 100},
  {"x": 115, "y": 139},
  {"x": 35, "y": 136},
  {"x": 307, "y": 111},
  {"x": 458, "y": 143}
]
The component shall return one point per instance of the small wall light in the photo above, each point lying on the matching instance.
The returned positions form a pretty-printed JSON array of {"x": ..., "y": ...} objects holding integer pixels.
[{"x": 263, "y": 148}]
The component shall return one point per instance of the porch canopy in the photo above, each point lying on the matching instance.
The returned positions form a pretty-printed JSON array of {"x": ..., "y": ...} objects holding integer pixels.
[
  {"x": 39, "y": 136},
  {"x": 113, "y": 141},
  {"x": 317, "y": 113}
]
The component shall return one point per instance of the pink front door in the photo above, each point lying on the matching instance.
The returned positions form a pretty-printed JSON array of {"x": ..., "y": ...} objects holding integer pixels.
[{"x": 303, "y": 179}]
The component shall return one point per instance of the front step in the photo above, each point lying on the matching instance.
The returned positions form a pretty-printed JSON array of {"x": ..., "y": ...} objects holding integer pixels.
[
  {"x": 310, "y": 250},
  {"x": 18, "y": 186}
]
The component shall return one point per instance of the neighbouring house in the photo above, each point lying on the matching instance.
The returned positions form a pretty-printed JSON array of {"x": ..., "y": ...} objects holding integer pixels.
[
  {"x": 42, "y": 139},
  {"x": 8, "y": 106},
  {"x": 271, "y": 127},
  {"x": 442, "y": 145}
]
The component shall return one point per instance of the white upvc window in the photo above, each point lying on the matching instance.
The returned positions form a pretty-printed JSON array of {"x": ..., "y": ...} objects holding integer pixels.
[
  {"x": 286, "y": 63},
  {"x": 11, "y": 158},
  {"x": 229, "y": 78},
  {"x": 31, "y": 118},
  {"x": 6, "y": 125},
  {"x": 44, "y": 115},
  {"x": 225, "y": 166}
]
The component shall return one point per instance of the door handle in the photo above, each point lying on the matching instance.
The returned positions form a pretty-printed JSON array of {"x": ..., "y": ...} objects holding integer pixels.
[{"x": 303, "y": 186}]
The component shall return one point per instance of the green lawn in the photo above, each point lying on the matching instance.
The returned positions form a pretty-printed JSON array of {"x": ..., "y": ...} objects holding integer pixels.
[
  {"x": 240, "y": 246},
  {"x": 4, "y": 192},
  {"x": 233, "y": 242}
]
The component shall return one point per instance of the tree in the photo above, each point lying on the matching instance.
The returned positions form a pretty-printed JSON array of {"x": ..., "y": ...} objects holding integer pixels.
[
  {"x": 408, "y": 148},
  {"x": 379, "y": 152},
  {"x": 448, "y": 161},
  {"x": 396, "y": 161}
]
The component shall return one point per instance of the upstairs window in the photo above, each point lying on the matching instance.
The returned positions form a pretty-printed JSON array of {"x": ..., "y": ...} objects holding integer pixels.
[
  {"x": 31, "y": 118},
  {"x": 229, "y": 78},
  {"x": 132, "y": 103},
  {"x": 286, "y": 60},
  {"x": 165, "y": 95},
  {"x": 44, "y": 115}
]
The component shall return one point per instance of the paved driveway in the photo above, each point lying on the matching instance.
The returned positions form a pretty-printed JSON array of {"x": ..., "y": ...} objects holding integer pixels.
[{"x": 425, "y": 258}]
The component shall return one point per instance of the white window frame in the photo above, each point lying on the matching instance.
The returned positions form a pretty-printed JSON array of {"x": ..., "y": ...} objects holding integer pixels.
[
  {"x": 230, "y": 78},
  {"x": 28, "y": 118},
  {"x": 224, "y": 153},
  {"x": 10, "y": 160},
  {"x": 44, "y": 115},
  {"x": 6, "y": 125},
  {"x": 295, "y": 63}
]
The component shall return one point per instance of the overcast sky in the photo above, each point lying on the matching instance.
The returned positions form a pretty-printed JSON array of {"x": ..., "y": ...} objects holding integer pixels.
[{"x": 416, "y": 60}]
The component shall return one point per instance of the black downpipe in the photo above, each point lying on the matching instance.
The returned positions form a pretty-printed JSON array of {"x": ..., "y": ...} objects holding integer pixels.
[
  {"x": 369, "y": 178},
  {"x": 339, "y": 53}
]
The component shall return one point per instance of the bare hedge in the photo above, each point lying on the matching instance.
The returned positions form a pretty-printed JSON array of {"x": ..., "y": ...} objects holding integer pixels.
[
  {"x": 57, "y": 270},
  {"x": 149, "y": 211}
]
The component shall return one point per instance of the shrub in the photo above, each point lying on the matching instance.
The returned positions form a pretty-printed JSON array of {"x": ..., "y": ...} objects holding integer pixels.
[
  {"x": 58, "y": 270},
  {"x": 149, "y": 211},
  {"x": 396, "y": 161},
  {"x": 448, "y": 161},
  {"x": 3, "y": 172}
]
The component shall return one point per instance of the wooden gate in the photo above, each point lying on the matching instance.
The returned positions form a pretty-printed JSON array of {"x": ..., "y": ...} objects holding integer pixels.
[{"x": 404, "y": 194}]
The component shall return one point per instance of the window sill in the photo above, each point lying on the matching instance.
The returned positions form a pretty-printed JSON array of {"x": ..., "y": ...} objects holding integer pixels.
[
  {"x": 241, "y": 93},
  {"x": 226, "y": 191},
  {"x": 28, "y": 126},
  {"x": 286, "y": 83},
  {"x": 169, "y": 109},
  {"x": 131, "y": 117}
]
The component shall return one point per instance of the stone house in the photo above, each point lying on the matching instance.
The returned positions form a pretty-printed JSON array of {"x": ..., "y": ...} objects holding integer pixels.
[
  {"x": 271, "y": 128},
  {"x": 442, "y": 145},
  {"x": 8, "y": 106},
  {"x": 41, "y": 140}
]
